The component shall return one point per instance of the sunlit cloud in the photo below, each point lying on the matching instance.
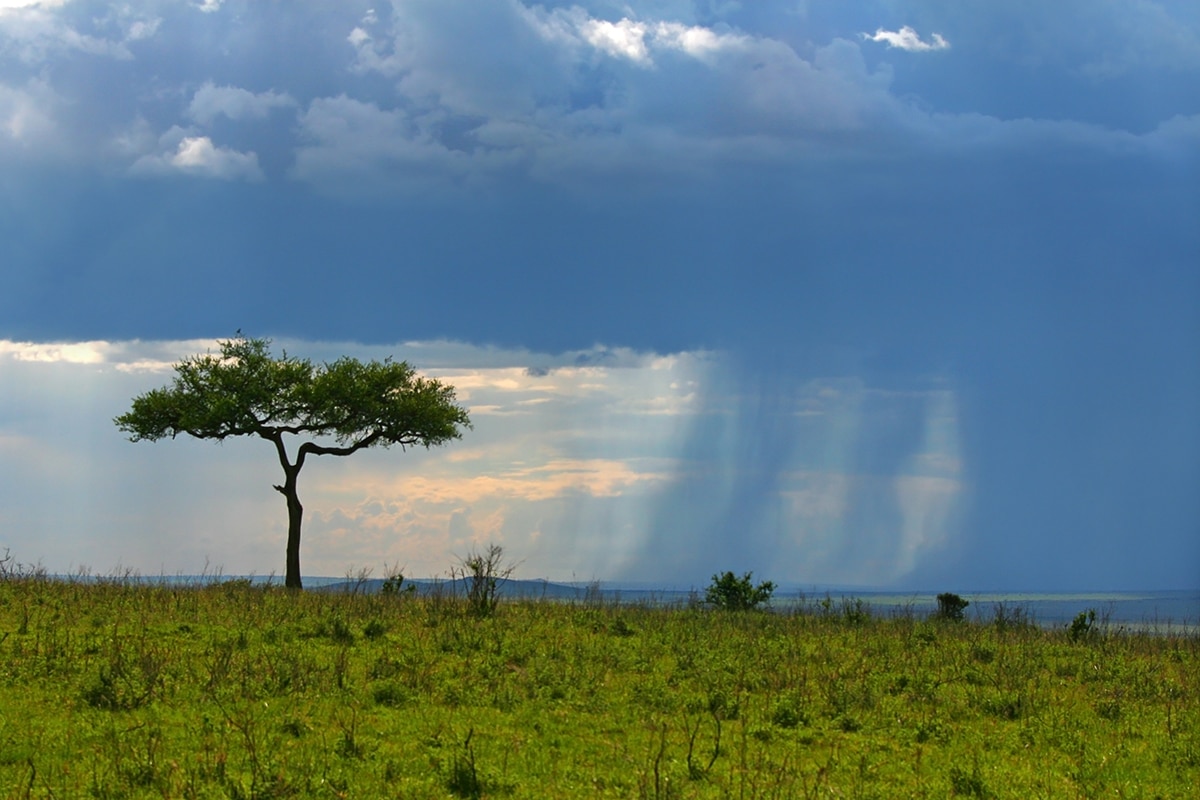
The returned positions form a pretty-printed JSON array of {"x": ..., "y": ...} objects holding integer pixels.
[
  {"x": 557, "y": 477},
  {"x": 197, "y": 155},
  {"x": 633, "y": 40},
  {"x": 70, "y": 353},
  {"x": 907, "y": 39},
  {"x": 625, "y": 38},
  {"x": 128, "y": 356},
  {"x": 695, "y": 40}
]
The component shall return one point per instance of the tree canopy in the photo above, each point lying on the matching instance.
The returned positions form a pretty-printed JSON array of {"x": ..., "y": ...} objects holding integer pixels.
[{"x": 246, "y": 391}]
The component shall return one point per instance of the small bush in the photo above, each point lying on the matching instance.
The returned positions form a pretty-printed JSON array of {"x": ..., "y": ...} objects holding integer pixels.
[
  {"x": 393, "y": 583},
  {"x": 856, "y": 611},
  {"x": 622, "y": 628},
  {"x": 789, "y": 712},
  {"x": 482, "y": 575},
  {"x": 391, "y": 695},
  {"x": 731, "y": 593},
  {"x": 1083, "y": 627},
  {"x": 950, "y": 607}
]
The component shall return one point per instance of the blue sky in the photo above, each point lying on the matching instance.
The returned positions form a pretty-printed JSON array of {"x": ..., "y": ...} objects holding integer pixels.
[{"x": 894, "y": 294}]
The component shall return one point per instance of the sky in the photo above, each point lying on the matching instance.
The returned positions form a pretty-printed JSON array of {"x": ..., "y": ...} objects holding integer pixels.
[{"x": 898, "y": 294}]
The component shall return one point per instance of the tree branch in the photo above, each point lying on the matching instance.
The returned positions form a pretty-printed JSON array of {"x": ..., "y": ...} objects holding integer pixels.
[{"x": 322, "y": 450}]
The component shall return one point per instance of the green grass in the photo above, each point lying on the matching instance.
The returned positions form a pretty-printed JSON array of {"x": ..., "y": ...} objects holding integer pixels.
[{"x": 119, "y": 690}]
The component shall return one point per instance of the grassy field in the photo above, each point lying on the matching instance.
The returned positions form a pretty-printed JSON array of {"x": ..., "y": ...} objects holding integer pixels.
[{"x": 113, "y": 690}]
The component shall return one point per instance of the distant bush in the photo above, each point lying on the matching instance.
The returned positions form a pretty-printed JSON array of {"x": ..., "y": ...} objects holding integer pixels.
[
  {"x": 482, "y": 575},
  {"x": 1083, "y": 627},
  {"x": 732, "y": 593},
  {"x": 951, "y": 607},
  {"x": 393, "y": 582}
]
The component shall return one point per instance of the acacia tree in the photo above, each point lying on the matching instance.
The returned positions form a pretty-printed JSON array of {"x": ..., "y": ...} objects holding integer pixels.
[{"x": 245, "y": 391}]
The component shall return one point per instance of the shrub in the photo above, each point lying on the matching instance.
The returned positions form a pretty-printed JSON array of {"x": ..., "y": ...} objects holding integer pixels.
[
  {"x": 482, "y": 575},
  {"x": 393, "y": 582},
  {"x": 951, "y": 607},
  {"x": 391, "y": 694},
  {"x": 789, "y": 711},
  {"x": 732, "y": 593},
  {"x": 856, "y": 611},
  {"x": 1083, "y": 627}
]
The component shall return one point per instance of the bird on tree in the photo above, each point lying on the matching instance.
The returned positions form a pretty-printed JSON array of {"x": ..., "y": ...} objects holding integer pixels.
[{"x": 342, "y": 407}]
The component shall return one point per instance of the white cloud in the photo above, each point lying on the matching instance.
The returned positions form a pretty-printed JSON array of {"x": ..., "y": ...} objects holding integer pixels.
[
  {"x": 907, "y": 39},
  {"x": 695, "y": 40},
  {"x": 198, "y": 156},
  {"x": 625, "y": 38},
  {"x": 631, "y": 39},
  {"x": 211, "y": 101}
]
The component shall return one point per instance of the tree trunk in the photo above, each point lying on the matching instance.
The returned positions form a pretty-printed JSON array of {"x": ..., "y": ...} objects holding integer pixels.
[{"x": 295, "y": 513}]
